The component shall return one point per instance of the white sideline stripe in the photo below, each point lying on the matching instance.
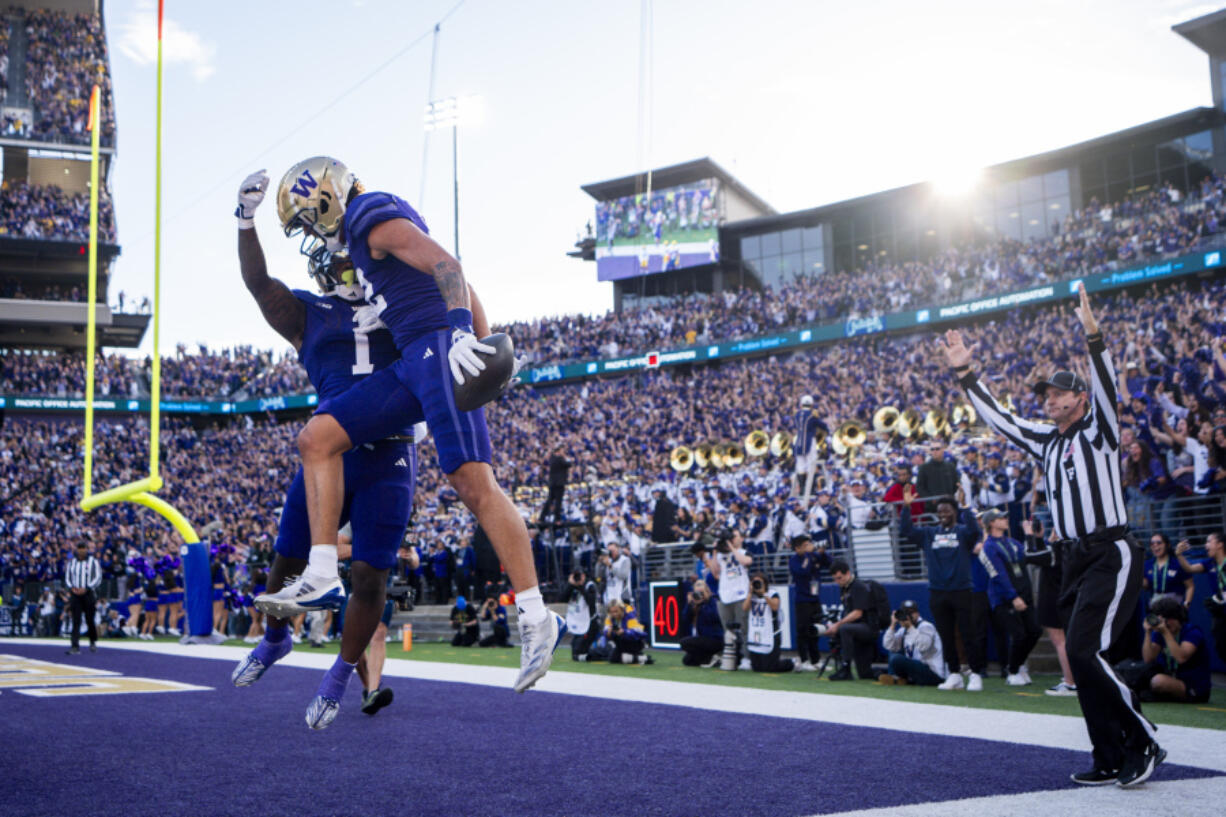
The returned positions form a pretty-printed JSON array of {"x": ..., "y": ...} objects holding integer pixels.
[
  {"x": 1186, "y": 745},
  {"x": 1163, "y": 797}
]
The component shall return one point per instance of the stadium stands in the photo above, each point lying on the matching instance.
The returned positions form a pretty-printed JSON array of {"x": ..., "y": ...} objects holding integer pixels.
[
  {"x": 47, "y": 212},
  {"x": 1160, "y": 223},
  {"x": 65, "y": 56},
  {"x": 619, "y": 433},
  {"x": 200, "y": 374}
]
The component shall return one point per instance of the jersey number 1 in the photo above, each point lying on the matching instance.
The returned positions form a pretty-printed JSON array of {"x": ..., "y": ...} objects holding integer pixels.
[
  {"x": 361, "y": 350},
  {"x": 361, "y": 343}
]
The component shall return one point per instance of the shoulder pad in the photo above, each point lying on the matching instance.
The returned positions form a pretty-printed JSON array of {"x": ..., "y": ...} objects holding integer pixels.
[{"x": 371, "y": 209}]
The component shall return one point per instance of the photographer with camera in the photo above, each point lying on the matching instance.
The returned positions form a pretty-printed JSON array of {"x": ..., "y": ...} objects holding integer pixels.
[
  {"x": 805, "y": 564},
  {"x": 625, "y": 635},
  {"x": 494, "y": 612},
  {"x": 1010, "y": 595},
  {"x": 614, "y": 568},
  {"x": 916, "y": 656},
  {"x": 1215, "y": 564},
  {"x": 728, "y": 564},
  {"x": 464, "y": 622},
  {"x": 857, "y": 629},
  {"x": 704, "y": 634},
  {"x": 1176, "y": 653},
  {"x": 763, "y": 630},
  {"x": 582, "y": 620}
]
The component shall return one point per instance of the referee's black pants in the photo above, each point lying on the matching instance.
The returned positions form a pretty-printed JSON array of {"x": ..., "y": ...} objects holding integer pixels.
[
  {"x": 952, "y": 609},
  {"x": 1102, "y": 583},
  {"x": 82, "y": 605}
]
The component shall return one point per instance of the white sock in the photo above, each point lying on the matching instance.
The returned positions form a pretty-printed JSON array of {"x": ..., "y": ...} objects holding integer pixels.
[
  {"x": 322, "y": 561},
  {"x": 530, "y": 604}
]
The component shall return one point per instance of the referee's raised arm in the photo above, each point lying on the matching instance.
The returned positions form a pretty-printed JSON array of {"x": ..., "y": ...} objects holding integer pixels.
[
  {"x": 1026, "y": 435},
  {"x": 1105, "y": 418}
]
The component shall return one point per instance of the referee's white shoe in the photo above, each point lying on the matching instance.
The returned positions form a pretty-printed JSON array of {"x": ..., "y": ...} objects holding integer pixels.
[
  {"x": 302, "y": 595},
  {"x": 539, "y": 641}
]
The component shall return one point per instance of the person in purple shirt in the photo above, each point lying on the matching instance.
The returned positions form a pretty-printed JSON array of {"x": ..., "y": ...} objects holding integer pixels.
[{"x": 1177, "y": 655}]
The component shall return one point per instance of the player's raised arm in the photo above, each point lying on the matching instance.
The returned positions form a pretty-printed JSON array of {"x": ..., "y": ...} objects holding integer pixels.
[
  {"x": 1105, "y": 415},
  {"x": 284, "y": 313},
  {"x": 1022, "y": 433}
]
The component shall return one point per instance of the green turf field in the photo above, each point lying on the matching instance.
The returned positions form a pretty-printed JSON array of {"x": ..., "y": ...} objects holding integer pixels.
[{"x": 668, "y": 667}]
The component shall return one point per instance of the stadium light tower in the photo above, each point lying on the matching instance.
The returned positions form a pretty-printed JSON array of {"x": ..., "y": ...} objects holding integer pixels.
[{"x": 447, "y": 113}]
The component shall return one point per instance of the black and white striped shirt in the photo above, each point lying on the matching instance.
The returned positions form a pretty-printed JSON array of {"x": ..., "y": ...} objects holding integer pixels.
[
  {"x": 86, "y": 574},
  {"x": 1081, "y": 467}
]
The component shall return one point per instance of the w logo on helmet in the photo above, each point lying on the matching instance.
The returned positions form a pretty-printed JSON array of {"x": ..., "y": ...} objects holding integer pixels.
[{"x": 304, "y": 184}]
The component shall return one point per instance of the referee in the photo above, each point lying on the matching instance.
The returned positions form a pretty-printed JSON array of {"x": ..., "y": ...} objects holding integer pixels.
[
  {"x": 83, "y": 576},
  {"x": 1080, "y": 458}
]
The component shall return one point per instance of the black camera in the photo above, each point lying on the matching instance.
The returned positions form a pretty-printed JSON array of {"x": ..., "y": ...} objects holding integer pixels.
[
  {"x": 903, "y": 613},
  {"x": 1153, "y": 619},
  {"x": 758, "y": 584}
]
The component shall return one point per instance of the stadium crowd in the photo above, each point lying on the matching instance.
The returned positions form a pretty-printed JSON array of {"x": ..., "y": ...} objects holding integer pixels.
[
  {"x": 1160, "y": 223},
  {"x": 617, "y": 439},
  {"x": 65, "y": 57},
  {"x": 47, "y": 212},
  {"x": 237, "y": 373}
]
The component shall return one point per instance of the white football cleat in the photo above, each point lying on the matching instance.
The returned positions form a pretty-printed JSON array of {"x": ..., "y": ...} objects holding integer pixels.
[
  {"x": 954, "y": 681},
  {"x": 538, "y": 643},
  {"x": 1016, "y": 680},
  {"x": 304, "y": 594},
  {"x": 322, "y": 712},
  {"x": 974, "y": 683}
]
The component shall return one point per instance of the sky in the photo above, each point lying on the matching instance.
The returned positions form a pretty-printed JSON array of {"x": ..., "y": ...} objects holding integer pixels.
[{"x": 806, "y": 103}]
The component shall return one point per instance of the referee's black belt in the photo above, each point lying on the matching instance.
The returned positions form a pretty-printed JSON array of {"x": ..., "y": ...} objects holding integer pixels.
[{"x": 1101, "y": 536}]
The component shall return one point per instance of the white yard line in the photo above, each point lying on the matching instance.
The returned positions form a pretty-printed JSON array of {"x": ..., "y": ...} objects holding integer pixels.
[
  {"x": 1200, "y": 797},
  {"x": 1186, "y": 745}
]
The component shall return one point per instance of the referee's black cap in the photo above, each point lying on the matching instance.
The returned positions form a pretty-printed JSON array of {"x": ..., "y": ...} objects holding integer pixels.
[{"x": 1069, "y": 381}]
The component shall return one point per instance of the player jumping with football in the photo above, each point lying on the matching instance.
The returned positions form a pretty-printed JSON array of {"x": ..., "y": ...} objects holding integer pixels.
[
  {"x": 419, "y": 292},
  {"x": 338, "y": 348}
]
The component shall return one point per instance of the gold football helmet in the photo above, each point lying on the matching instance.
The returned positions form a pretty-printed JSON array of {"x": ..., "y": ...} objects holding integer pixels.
[{"x": 311, "y": 199}]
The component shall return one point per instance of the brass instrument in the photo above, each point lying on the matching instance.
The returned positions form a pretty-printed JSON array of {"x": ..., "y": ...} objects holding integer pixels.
[
  {"x": 964, "y": 414},
  {"x": 838, "y": 446},
  {"x": 681, "y": 459},
  {"x": 718, "y": 456},
  {"x": 936, "y": 424},
  {"x": 757, "y": 443},
  {"x": 851, "y": 434},
  {"x": 734, "y": 455},
  {"x": 702, "y": 455},
  {"x": 908, "y": 424},
  {"x": 1006, "y": 402},
  {"x": 781, "y": 444},
  {"x": 885, "y": 419},
  {"x": 848, "y": 439}
]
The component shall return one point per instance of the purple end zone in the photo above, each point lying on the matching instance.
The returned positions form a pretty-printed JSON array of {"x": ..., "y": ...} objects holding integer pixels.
[{"x": 452, "y": 749}]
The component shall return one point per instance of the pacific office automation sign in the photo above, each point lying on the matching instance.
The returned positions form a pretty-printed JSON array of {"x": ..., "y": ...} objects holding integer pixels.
[{"x": 997, "y": 302}]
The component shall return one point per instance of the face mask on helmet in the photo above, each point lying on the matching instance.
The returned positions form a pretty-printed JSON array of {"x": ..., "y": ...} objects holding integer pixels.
[{"x": 334, "y": 275}]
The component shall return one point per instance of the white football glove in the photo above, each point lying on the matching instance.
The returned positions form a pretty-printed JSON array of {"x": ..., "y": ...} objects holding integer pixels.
[
  {"x": 520, "y": 363},
  {"x": 368, "y": 320},
  {"x": 250, "y": 194},
  {"x": 463, "y": 355}
]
